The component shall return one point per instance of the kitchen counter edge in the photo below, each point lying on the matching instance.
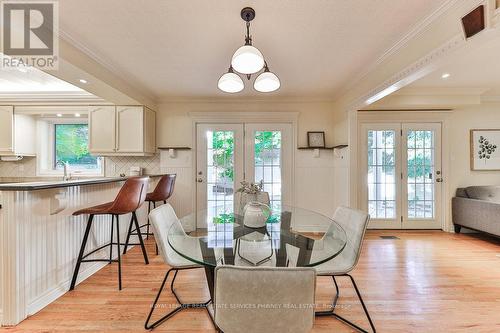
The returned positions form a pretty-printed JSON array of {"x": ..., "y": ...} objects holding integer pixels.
[{"x": 61, "y": 184}]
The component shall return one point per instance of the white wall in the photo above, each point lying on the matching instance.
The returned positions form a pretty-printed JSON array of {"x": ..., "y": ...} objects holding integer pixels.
[
  {"x": 462, "y": 121},
  {"x": 320, "y": 183}
]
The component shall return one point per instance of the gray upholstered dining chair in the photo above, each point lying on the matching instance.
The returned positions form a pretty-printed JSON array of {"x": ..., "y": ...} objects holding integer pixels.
[
  {"x": 354, "y": 223},
  {"x": 264, "y": 299},
  {"x": 163, "y": 218}
]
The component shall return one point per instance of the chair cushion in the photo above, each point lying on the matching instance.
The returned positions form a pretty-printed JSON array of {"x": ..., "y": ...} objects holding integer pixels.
[
  {"x": 264, "y": 300},
  {"x": 485, "y": 193},
  {"x": 95, "y": 210}
]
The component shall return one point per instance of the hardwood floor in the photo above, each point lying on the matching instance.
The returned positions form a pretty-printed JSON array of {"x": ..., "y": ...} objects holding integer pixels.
[{"x": 422, "y": 282}]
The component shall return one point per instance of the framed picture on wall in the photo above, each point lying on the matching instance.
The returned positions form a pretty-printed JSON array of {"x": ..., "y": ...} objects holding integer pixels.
[
  {"x": 485, "y": 149},
  {"x": 316, "y": 139}
]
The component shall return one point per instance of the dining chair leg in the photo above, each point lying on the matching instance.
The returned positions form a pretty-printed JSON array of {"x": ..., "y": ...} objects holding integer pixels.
[
  {"x": 332, "y": 313},
  {"x": 362, "y": 302},
  {"x": 334, "y": 302},
  {"x": 82, "y": 250},
  {"x": 119, "y": 256},
  {"x": 153, "y": 306},
  {"x": 181, "y": 306}
]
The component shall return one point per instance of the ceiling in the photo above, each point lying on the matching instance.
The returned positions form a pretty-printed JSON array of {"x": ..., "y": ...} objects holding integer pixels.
[
  {"x": 473, "y": 70},
  {"x": 29, "y": 79},
  {"x": 179, "y": 49}
]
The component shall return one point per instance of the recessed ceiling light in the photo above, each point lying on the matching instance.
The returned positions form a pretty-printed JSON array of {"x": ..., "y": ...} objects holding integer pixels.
[
  {"x": 445, "y": 75},
  {"x": 59, "y": 115},
  {"x": 83, "y": 81},
  {"x": 77, "y": 115}
]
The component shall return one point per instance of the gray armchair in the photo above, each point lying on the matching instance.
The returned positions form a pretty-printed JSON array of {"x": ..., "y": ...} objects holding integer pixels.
[
  {"x": 354, "y": 223},
  {"x": 163, "y": 218},
  {"x": 264, "y": 299}
]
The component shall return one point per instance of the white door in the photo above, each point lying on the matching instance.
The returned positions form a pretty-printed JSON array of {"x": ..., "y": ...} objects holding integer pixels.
[
  {"x": 401, "y": 175},
  {"x": 227, "y": 154},
  {"x": 422, "y": 178},
  {"x": 381, "y": 181},
  {"x": 268, "y": 158},
  {"x": 219, "y": 161}
]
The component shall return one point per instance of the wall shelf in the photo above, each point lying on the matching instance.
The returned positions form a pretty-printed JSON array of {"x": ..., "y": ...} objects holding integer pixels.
[{"x": 324, "y": 148}]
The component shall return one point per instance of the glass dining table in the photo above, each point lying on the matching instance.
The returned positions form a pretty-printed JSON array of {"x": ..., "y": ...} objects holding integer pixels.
[{"x": 224, "y": 239}]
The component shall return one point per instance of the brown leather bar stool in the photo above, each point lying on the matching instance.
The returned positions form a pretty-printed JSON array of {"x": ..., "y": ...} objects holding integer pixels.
[
  {"x": 130, "y": 197},
  {"x": 162, "y": 192}
]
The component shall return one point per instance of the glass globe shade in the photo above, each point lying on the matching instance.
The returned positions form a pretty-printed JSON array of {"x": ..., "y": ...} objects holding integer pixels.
[
  {"x": 267, "y": 82},
  {"x": 247, "y": 60},
  {"x": 230, "y": 83}
]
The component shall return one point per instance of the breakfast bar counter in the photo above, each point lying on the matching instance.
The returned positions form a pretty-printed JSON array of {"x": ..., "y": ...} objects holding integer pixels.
[{"x": 40, "y": 239}]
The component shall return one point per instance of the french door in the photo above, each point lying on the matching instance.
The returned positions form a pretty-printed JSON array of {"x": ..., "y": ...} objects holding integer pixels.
[
  {"x": 227, "y": 154},
  {"x": 401, "y": 175}
]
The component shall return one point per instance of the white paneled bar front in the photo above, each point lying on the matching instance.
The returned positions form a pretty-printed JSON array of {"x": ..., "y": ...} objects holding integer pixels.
[{"x": 40, "y": 240}]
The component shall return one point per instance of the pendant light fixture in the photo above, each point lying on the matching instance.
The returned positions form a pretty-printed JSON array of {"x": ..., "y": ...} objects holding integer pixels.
[{"x": 248, "y": 60}]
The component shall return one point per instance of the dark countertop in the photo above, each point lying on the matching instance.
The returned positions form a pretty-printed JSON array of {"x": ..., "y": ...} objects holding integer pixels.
[{"x": 43, "y": 185}]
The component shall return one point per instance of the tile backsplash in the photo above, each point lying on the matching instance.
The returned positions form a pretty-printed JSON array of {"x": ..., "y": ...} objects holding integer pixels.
[
  {"x": 113, "y": 166},
  {"x": 116, "y": 165},
  {"x": 23, "y": 168}
]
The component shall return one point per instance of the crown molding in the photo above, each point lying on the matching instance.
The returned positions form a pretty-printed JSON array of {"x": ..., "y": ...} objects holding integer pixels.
[
  {"x": 441, "y": 91},
  {"x": 250, "y": 100},
  {"x": 413, "y": 72},
  {"x": 125, "y": 77},
  {"x": 394, "y": 49}
]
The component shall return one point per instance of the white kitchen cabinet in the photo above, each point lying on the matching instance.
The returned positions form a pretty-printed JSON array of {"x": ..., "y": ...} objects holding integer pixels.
[
  {"x": 17, "y": 133},
  {"x": 122, "y": 131},
  {"x": 102, "y": 128}
]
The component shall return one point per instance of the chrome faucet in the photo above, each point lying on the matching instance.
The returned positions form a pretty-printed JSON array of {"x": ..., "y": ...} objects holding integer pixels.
[{"x": 65, "y": 165}]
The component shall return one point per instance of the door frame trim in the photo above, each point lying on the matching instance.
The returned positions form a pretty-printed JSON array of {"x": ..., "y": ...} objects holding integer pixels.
[
  {"x": 402, "y": 116},
  {"x": 225, "y": 117}
]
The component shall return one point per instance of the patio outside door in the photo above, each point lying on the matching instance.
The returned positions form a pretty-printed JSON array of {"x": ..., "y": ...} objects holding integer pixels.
[
  {"x": 401, "y": 175},
  {"x": 230, "y": 153}
]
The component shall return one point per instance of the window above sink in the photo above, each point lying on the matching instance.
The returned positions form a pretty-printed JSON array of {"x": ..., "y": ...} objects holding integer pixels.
[{"x": 64, "y": 139}]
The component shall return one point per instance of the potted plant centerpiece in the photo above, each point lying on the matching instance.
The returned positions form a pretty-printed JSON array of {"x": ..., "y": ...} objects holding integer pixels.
[{"x": 253, "y": 204}]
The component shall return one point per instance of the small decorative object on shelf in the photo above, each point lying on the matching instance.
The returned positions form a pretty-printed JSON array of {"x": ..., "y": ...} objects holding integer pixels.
[
  {"x": 249, "y": 192},
  {"x": 255, "y": 214},
  {"x": 316, "y": 139}
]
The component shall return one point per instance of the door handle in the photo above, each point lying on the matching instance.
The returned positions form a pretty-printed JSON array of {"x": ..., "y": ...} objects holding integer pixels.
[
  {"x": 199, "y": 180},
  {"x": 439, "y": 180}
]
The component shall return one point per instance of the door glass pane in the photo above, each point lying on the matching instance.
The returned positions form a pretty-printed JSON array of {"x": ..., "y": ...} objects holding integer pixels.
[
  {"x": 381, "y": 174},
  {"x": 420, "y": 162},
  {"x": 220, "y": 172},
  {"x": 268, "y": 164}
]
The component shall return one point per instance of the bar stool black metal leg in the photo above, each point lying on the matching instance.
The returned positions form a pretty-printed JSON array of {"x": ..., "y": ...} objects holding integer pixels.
[
  {"x": 82, "y": 250},
  {"x": 118, "y": 246},
  {"x": 147, "y": 225},
  {"x": 111, "y": 244},
  {"x": 141, "y": 241},
  {"x": 127, "y": 240}
]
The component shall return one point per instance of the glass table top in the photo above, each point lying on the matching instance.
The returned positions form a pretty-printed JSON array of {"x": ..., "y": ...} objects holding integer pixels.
[{"x": 225, "y": 239}]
